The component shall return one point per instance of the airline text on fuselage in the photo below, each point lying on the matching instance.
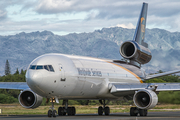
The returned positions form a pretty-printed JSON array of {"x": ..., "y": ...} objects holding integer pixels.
[{"x": 89, "y": 72}]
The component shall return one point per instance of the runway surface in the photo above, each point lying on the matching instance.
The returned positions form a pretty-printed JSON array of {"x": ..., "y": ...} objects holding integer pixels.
[{"x": 118, "y": 116}]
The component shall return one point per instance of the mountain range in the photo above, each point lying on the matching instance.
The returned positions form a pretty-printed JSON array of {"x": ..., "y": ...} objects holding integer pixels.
[{"x": 22, "y": 48}]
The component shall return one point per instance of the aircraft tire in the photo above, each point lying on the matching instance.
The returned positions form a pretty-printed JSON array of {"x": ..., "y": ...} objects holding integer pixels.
[
  {"x": 69, "y": 111},
  {"x": 49, "y": 113},
  {"x": 106, "y": 110},
  {"x": 132, "y": 111},
  {"x": 100, "y": 110},
  {"x": 54, "y": 112},
  {"x": 73, "y": 110},
  {"x": 60, "y": 111},
  {"x": 142, "y": 112}
]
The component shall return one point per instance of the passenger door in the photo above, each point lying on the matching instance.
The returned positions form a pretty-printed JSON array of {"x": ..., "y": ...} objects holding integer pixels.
[{"x": 62, "y": 76}]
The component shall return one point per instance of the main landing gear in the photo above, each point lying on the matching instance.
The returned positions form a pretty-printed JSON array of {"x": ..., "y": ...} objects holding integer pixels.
[
  {"x": 61, "y": 110},
  {"x": 104, "y": 109},
  {"x": 52, "y": 111},
  {"x": 66, "y": 110},
  {"x": 134, "y": 111}
]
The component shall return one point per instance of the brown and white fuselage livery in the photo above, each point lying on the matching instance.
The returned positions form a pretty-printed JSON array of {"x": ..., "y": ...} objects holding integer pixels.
[{"x": 69, "y": 77}]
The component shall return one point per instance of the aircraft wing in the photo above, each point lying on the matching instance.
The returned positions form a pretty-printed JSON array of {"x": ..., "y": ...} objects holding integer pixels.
[
  {"x": 14, "y": 85},
  {"x": 121, "y": 89},
  {"x": 161, "y": 74}
]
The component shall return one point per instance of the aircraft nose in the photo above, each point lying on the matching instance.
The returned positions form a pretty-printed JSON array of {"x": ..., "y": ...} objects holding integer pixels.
[{"x": 33, "y": 78}]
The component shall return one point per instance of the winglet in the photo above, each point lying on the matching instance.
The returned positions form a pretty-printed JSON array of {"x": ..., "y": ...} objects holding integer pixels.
[{"x": 141, "y": 26}]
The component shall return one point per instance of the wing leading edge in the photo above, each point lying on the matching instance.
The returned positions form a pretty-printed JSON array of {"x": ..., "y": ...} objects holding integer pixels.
[
  {"x": 14, "y": 85},
  {"x": 121, "y": 89}
]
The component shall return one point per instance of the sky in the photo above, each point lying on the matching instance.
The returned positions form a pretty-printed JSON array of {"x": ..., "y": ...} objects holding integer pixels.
[{"x": 76, "y": 16}]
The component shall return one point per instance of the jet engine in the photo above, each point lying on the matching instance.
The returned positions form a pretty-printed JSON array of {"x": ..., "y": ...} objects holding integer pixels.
[
  {"x": 29, "y": 99},
  {"x": 133, "y": 51},
  {"x": 145, "y": 99}
]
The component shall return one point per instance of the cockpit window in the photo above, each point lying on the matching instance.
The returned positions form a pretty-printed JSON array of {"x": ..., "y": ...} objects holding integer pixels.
[
  {"x": 51, "y": 68},
  {"x": 39, "y": 67},
  {"x": 46, "y": 67},
  {"x": 33, "y": 67}
]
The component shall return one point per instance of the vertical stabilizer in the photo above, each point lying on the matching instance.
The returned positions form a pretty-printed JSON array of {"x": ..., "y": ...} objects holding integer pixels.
[
  {"x": 137, "y": 50},
  {"x": 141, "y": 26}
]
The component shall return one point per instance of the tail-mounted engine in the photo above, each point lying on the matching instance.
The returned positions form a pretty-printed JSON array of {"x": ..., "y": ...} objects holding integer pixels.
[
  {"x": 145, "y": 99},
  {"x": 29, "y": 99},
  {"x": 134, "y": 52}
]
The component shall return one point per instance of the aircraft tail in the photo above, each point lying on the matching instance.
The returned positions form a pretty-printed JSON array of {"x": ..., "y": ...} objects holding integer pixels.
[
  {"x": 137, "y": 50},
  {"x": 141, "y": 26}
]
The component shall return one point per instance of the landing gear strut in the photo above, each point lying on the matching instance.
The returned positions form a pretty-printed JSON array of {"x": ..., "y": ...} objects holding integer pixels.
[
  {"x": 52, "y": 111},
  {"x": 66, "y": 110},
  {"x": 104, "y": 109},
  {"x": 134, "y": 111}
]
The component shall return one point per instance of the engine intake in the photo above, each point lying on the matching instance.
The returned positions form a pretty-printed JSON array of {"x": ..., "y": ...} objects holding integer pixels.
[
  {"x": 29, "y": 99},
  {"x": 133, "y": 51},
  {"x": 145, "y": 99}
]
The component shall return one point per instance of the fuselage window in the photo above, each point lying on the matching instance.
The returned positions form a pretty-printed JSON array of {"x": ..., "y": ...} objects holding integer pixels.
[
  {"x": 39, "y": 67},
  {"x": 33, "y": 67},
  {"x": 51, "y": 68},
  {"x": 46, "y": 67}
]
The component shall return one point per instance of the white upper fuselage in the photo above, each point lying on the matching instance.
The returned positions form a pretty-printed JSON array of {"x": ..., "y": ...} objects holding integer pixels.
[{"x": 76, "y": 77}]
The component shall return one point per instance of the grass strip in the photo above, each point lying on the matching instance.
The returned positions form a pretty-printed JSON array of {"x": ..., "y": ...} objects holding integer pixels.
[{"x": 16, "y": 109}]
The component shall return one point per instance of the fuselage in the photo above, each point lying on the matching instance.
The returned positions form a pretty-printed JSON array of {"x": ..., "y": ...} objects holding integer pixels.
[{"x": 77, "y": 77}]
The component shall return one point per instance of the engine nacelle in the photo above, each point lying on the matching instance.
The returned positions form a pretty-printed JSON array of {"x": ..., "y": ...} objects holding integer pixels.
[
  {"x": 133, "y": 51},
  {"x": 145, "y": 99},
  {"x": 29, "y": 99}
]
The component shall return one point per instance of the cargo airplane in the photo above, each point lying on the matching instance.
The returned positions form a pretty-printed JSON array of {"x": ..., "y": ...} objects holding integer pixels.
[{"x": 69, "y": 77}]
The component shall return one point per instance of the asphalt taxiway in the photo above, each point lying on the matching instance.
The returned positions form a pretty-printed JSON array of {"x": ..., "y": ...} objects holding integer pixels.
[{"x": 115, "y": 116}]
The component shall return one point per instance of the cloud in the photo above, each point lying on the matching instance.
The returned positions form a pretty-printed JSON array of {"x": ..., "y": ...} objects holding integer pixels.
[
  {"x": 107, "y": 9},
  {"x": 3, "y": 14},
  {"x": 164, "y": 9},
  {"x": 129, "y": 26},
  {"x": 54, "y": 6},
  {"x": 66, "y": 16}
]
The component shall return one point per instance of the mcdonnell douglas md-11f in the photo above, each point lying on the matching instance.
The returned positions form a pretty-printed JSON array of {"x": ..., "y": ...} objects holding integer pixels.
[{"x": 68, "y": 77}]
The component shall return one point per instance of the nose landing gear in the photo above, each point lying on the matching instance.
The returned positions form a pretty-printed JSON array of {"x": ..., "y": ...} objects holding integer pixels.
[{"x": 52, "y": 112}]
